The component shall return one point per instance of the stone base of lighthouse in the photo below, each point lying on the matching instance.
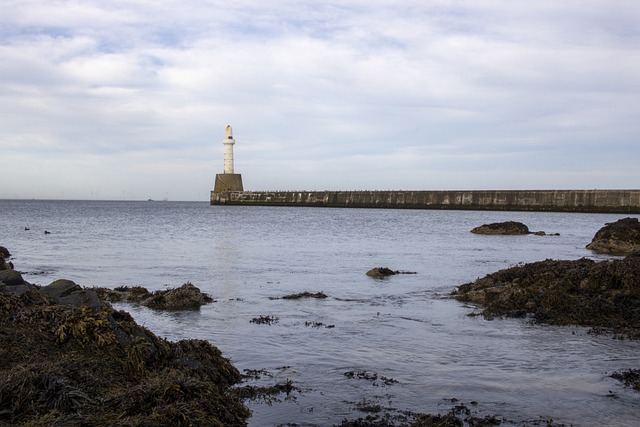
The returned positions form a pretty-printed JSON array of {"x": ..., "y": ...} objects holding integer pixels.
[{"x": 228, "y": 182}]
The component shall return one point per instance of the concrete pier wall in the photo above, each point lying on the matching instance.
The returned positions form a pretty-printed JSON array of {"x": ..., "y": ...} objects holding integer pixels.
[{"x": 611, "y": 201}]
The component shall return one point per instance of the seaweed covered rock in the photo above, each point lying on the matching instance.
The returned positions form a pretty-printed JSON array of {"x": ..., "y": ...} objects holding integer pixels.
[
  {"x": 502, "y": 228},
  {"x": 74, "y": 364},
  {"x": 4, "y": 256},
  {"x": 4, "y": 252},
  {"x": 617, "y": 238},
  {"x": 306, "y": 294},
  {"x": 582, "y": 292},
  {"x": 186, "y": 297},
  {"x": 379, "y": 272},
  {"x": 629, "y": 377}
]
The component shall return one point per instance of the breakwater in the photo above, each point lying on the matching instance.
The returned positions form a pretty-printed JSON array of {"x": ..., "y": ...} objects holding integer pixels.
[{"x": 605, "y": 201}]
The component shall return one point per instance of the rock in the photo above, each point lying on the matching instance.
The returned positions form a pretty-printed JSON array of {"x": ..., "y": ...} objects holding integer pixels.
[
  {"x": 65, "y": 364},
  {"x": 4, "y": 252},
  {"x": 84, "y": 297},
  {"x": 18, "y": 289},
  {"x": 60, "y": 288},
  {"x": 11, "y": 277},
  {"x": 306, "y": 294},
  {"x": 618, "y": 238},
  {"x": 11, "y": 281},
  {"x": 5, "y": 255},
  {"x": 629, "y": 377},
  {"x": 68, "y": 366},
  {"x": 384, "y": 272},
  {"x": 502, "y": 228},
  {"x": 582, "y": 292},
  {"x": 67, "y": 292},
  {"x": 186, "y": 297},
  {"x": 381, "y": 272}
]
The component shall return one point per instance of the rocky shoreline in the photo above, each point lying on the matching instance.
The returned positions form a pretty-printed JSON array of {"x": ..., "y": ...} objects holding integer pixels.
[
  {"x": 603, "y": 295},
  {"x": 69, "y": 358}
]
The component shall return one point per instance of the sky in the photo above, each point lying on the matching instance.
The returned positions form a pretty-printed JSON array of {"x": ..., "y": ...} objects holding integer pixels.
[{"x": 129, "y": 99}]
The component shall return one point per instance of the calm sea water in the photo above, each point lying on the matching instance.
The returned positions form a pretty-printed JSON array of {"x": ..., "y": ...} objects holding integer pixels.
[{"x": 405, "y": 327}]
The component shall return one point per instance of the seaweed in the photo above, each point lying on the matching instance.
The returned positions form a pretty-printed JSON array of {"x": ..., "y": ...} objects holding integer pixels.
[
  {"x": 306, "y": 294},
  {"x": 185, "y": 297},
  {"x": 629, "y": 377},
  {"x": 265, "y": 320},
  {"x": 68, "y": 365},
  {"x": 602, "y": 295}
]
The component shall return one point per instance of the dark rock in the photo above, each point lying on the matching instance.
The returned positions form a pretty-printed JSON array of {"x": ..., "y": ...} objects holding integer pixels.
[
  {"x": 4, "y": 252},
  {"x": 67, "y": 366},
  {"x": 306, "y": 294},
  {"x": 11, "y": 277},
  {"x": 581, "y": 292},
  {"x": 84, "y": 297},
  {"x": 5, "y": 255},
  {"x": 18, "y": 289},
  {"x": 60, "y": 360},
  {"x": 502, "y": 228},
  {"x": 186, "y": 297},
  {"x": 67, "y": 292},
  {"x": 618, "y": 238},
  {"x": 630, "y": 378},
  {"x": 60, "y": 288},
  {"x": 381, "y": 272}
]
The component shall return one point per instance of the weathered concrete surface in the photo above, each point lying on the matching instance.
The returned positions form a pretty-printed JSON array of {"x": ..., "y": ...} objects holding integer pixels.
[
  {"x": 228, "y": 182},
  {"x": 612, "y": 201}
]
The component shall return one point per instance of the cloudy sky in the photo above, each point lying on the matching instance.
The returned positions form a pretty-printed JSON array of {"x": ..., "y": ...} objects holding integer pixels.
[{"x": 129, "y": 99}]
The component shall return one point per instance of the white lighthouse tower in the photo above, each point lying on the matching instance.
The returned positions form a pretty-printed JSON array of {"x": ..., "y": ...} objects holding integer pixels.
[
  {"x": 228, "y": 181},
  {"x": 228, "y": 150}
]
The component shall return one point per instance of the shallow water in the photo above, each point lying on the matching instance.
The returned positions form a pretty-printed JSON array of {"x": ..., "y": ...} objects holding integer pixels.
[{"x": 405, "y": 327}]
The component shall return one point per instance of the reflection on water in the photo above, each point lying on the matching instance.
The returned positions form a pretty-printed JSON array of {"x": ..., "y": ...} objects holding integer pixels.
[{"x": 405, "y": 327}]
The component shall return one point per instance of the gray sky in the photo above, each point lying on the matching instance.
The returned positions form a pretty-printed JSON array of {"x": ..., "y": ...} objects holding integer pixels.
[{"x": 130, "y": 99}]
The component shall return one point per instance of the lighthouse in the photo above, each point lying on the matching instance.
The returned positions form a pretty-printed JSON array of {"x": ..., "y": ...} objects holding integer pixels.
[
  {"x": 228, "y": 150},
  {"x": 228, "y": 180}
]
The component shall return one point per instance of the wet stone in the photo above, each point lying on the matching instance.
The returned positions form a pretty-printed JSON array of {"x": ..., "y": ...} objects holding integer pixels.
[
  {"x": 617, "y": 238},
  {"x": 379, "y": 272},
  {"x": 60, "y": 288},
  {"x": 11, "y": 278},
  {"x": 602, "y": 295},
  {"x": 502, "y": 228}
]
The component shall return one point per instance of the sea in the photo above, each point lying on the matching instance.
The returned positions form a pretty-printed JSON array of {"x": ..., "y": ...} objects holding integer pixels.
[{"x": 373, "y": 346}]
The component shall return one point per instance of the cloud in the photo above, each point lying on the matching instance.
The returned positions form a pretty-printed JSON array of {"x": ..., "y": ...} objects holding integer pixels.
[{"x": 441, "y": 94}]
